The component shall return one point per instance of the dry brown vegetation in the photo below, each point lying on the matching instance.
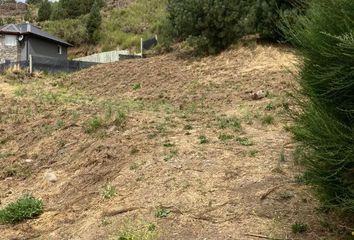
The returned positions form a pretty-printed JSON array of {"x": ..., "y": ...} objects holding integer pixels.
[{"x": 174, "y": 142}]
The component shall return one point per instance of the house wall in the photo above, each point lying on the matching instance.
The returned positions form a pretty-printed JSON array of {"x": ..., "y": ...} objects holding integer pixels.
[
  {"x": 11, "y": 53},
  {"x": 44, "y": 48}
]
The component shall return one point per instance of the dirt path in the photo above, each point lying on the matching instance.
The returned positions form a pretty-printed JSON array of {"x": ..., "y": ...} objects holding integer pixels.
[{"x": 179, "y": 144}]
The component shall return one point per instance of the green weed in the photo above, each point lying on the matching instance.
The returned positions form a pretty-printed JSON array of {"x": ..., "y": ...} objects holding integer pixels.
[
  {"x": 109, "y": 191},
  {"x": 26, "y": 207},
  {"x": 134, "y": 151},
  {"x": 162, "y": 212},
  {"x": 267, "y": 120},
  {"x": 92, "y": 125},
  {"x": 285, "y": 195},
  {"x": 225, "y": 137},
  {"x": 138, "y": 231},
  {"x": 136, "y": 86},
  {"x": 299, "y": 227},
  {"x": 244, "y": 141},
  {"x": 173, "y": 153},
  {"x": 203, "y": 139},
  {"x": 229, "y": 122}
]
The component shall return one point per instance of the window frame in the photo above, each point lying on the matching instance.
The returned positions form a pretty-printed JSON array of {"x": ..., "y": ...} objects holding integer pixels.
[
  {"x": 60, "y": 50},
  {"x": 13, "y": 42}
]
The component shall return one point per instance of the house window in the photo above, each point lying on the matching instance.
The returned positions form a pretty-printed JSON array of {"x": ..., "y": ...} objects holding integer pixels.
[
  {"x": 10, "y": 40},
  {"x": 60, "y": 50}
]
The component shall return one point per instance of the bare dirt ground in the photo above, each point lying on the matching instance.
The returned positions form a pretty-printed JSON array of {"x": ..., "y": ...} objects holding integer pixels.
[{"x": 174, "y": 144}]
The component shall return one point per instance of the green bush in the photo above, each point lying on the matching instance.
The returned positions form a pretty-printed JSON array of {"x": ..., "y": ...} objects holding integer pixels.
[
  {"x": 26, "y": 207},
  {"x": 72, "y": 30},
  {"x": 208, "y": 25},
  {"x": 325, "y": 124},
  {"x": 266, "y": 16}
]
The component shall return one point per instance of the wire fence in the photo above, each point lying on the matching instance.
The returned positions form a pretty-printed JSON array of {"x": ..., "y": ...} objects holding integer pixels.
[
  {"x": 58, "y": 65},
  {"x": 47, "y": 65}
]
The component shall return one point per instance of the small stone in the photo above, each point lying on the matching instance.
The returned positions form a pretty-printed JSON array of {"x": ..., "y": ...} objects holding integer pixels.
[
  {"x": 259, "y": 95},
  {"x": 29, "y": 160},
  {"x": 51, "y": 177},
  {"x": 112, "y": 129}
]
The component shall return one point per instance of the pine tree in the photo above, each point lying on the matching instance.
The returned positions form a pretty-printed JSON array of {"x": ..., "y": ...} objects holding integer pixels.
[
  {"x": 94, "y": 22},
  {"x": 44, "y": 11}
]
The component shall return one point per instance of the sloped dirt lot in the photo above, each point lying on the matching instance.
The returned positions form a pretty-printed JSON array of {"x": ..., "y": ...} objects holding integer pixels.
[{"x": 165, "y": 147}]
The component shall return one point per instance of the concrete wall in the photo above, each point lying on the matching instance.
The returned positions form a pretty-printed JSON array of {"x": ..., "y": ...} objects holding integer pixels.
[
  {"x": 106, "y": 57},
  {"x": 44, "y": 48},
  {"x": 11, "y": 53}
]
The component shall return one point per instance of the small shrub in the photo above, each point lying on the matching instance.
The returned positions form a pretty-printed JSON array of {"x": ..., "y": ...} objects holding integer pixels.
[
  {"x": 169, "y": 145},
  {"x": 134, "y": 151},
  {"x": 270, "y": 107},
  {"x": 229, "y": 122},
  {"x": 244, "y": 141},
  {"x": 109, "y": 191},
  {"x": 26, "y": 207},
  {"x": 162, "y": 212},
  {"x": 92, "y": 125},
  {"x": 286, "y": 195},
  {"x": 59, "y": 124},
  {"x": 268, "y": 120},
  {"x": 253, "y": 153},
  {"x": 203, "y": 139},
  {"x": 225, "y": 137},
  {"x": 119, "y": 118},
  {"x": 136, "y": 86},
  {"x": 173, "y": 153},
  {"x": 299, "y": 227}
]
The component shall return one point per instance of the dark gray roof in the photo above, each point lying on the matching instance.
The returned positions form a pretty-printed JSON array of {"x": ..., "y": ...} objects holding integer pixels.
[{"x": 27, "y": 28}]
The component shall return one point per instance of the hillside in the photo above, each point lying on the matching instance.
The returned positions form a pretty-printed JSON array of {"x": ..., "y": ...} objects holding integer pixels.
[
  {"x": 14, "y": 11},
  {"x": 167, "y": 145}
]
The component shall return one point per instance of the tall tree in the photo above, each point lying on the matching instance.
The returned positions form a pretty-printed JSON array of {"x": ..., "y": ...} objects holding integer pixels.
[
  {"x": 44, "y": 11},
  {"x": 94, "y": 22},
  {"x": 34, "y": 2}
]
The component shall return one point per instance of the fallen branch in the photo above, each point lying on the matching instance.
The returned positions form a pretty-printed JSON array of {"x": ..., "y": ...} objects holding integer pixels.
[
  {"x": 264, "y": 237},
  {"x": 266, "y": 194},
  {"x": 119, "y": 211}
]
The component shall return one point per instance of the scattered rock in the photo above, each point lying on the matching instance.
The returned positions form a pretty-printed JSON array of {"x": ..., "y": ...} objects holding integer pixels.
[
  {"x": 28, "y": 160},
  {"x": 50, "y": 176},
  {"x": 112, "y": 129},
  {"x": 259, "y": 95}
]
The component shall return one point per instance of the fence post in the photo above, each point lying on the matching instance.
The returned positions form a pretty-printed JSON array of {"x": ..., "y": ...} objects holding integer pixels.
[{"x": 30, "y": 64}]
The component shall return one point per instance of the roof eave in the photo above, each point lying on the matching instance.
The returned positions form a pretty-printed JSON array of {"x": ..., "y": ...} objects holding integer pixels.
[{"x": 30, "y": 33}]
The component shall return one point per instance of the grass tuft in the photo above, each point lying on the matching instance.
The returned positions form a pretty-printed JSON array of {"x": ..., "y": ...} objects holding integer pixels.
[
  {"x": 299, "y": 227},
  {"x": 26, "y": 207}
]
